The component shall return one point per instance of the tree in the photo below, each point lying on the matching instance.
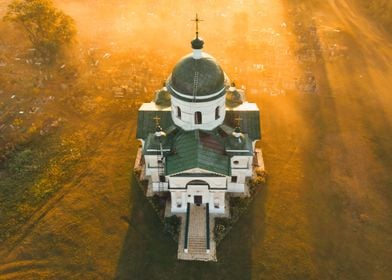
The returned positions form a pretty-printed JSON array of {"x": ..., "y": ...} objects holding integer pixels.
[{"x": 47, "y": 28}]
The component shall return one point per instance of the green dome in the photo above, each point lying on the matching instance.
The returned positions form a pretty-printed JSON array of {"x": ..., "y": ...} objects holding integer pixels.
[{"x": 200, "y": 79}]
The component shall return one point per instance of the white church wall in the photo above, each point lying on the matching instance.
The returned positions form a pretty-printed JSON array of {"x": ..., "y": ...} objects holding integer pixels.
[
  {"x": 207, "y": 109},
  {"x": 241, "y": 167},
  {"x": 235, "y": 187},
  {"x": 158, "y": 186},
  {"x": 241, "y": 162},
  {"x": 151, "y": 162},
  {"x": 239, "y": 172},
  {"x": 181, "y": 182},
  {"x": 178, "y": 201},
  {"x": 188, "y": 191},
  {"x": 217, "y": 202}
]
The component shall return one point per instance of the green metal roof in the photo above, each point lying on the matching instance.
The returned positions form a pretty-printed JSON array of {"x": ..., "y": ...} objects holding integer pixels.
[
  {"x": 153, "y": 143},
  {"x": 239, "y": 145},
  {"x": 249, "y": 123},
  {"x": 192, "y": 150},
  {"x": 146, "y": 123}
]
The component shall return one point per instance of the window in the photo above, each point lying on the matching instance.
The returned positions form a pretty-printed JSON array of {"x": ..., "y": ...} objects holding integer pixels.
[
  {"x": 234, "y": 179},
  {"x": 198, "y": 119},
  {"x": 217, "y": 115},
  {"x": 216, "y": 203},
  {"x": 236, "y": 162},
  {"x": 162, "y": 178},
  {"x": 179, "y": 113}
]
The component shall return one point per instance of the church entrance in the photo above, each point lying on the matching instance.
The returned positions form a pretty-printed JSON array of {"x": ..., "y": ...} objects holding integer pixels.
[
  {"x": 198, "y": 200},
  {"x": 197, "y": 192}
]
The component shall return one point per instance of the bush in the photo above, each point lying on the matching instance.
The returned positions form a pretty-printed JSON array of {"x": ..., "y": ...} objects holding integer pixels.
[
  {"x": 158, "y": 203},
  {"x": 171, "y": 225},
  {"x": 259, "y": 180},
  {"x": 21, "y": 163},
  {"x": 238, "y": 205},
  {"x": 222, "y": 227},
  {"x": 137, "y": 172}
]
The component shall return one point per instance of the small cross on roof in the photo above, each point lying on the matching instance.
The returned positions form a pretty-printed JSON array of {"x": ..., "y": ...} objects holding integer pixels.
[
  {"x": 238, "y": 120},
  {"x": 157, "y": 119}
]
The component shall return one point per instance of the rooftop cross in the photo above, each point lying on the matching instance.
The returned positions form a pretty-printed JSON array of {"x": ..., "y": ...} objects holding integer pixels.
[
  {"x": 238, "y": 120},
  {"x": 197, "y": 20},
  {"x": 157, "y": 119}
]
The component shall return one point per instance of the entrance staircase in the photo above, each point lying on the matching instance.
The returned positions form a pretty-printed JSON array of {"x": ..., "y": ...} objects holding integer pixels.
[{"x": 196, "y": 242}]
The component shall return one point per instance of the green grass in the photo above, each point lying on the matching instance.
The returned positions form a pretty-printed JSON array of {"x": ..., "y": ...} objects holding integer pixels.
[{"x": 32, "y": 175}]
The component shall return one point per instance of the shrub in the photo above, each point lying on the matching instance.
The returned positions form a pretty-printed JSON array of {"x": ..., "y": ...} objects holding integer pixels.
[
  {"x": 222, "y": 227},
  {"x": 172, "y": 226},
  {"x": 21, "y": 163}
]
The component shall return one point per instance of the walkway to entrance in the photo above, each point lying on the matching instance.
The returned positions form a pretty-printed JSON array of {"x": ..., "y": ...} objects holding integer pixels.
[{"x": 197, "y": 236}]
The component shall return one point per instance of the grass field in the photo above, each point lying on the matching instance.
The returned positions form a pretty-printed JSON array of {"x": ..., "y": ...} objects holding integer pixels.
[{"x": 326, "y": 210}]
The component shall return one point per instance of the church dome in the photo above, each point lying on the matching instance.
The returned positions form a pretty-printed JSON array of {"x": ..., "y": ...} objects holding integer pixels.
[{"x": 197, "y": 79}]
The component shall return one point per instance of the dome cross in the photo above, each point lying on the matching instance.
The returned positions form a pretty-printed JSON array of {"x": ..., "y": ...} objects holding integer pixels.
[{"x": 197, "y": 20}]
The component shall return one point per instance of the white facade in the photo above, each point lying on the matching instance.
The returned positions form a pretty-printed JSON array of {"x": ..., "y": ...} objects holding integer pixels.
[
  {"x": 212, "y": 113},
  {"x": 200, "y": 113},
  {"x": 211, "y": 187},
  {"x": 210, "y": 190}
]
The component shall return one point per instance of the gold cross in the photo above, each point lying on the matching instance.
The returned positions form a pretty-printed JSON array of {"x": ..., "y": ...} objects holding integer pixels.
[
  {"x": 238, "y": 119},
  {"x": 197, "y": 20},
  {"x": 157, "y": 119}
]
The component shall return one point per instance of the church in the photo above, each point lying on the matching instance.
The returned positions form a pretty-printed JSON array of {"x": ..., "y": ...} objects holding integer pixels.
[{"x": 198, "y": 139}]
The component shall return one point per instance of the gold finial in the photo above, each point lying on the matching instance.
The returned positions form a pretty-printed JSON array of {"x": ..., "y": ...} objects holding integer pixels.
[{"x": 197, "y": 20}]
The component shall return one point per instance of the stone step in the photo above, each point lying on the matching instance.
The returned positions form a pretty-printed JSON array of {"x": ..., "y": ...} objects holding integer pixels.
[{"x": 197, "y": 242}]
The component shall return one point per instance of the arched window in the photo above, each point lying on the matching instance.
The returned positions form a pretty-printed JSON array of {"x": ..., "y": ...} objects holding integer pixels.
[
  {"x": 198, "y": 119},
  {"x": 217, "y": 113},
  {"x": 179, "y": 113}
]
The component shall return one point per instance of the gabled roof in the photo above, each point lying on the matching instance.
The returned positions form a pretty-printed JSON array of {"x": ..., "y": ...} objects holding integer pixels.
[
  {"x": 248, "y": 112},
  {"x": 195, "y": 149}
]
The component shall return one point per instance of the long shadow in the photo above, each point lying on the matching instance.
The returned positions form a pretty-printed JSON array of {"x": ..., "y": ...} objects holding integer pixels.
[
  {"x": 326, "y": 199},
  {"x": 149, "y": 253},
  {"x": 339, "y": 252}
]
